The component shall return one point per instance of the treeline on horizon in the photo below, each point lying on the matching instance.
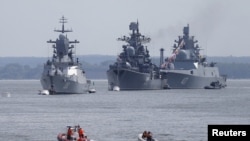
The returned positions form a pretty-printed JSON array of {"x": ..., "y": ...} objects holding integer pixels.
[{"x": 95, "y": 66}]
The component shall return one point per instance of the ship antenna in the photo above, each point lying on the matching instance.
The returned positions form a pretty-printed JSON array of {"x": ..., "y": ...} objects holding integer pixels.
[
  {"x": 186, "y": 30},
  {"x": 48, "y": 51},
  {"x": 63, "y": 20},
  {"x": 137, "y": 26}
]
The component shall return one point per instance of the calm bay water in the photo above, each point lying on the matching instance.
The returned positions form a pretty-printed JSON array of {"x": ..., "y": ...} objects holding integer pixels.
[{"x": 172, "y": 115}]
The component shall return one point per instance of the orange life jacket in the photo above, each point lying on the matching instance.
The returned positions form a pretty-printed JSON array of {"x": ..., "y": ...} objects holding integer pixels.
[{"x": 80, "y": 131}]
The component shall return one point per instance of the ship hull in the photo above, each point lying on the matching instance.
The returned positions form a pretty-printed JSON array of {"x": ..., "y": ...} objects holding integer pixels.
[
  {"x": 63, "y": 85},
  {"x": 179, "y": 80},
  {"x": 127, "y": 79}
]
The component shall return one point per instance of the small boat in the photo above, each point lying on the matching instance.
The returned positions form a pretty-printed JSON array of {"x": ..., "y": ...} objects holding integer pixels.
[
  {"x": 74, "y": 135},
  {"x": 43, "y": 92},
  {"x": 63, "y": 137},
  {"x": 116, "y": 88},
  {"x": 214, "y": 85},
  {"x": 92, "y": 90},
  {"x": 166, "y": 86},
  {"x": 140, "y": 138}
]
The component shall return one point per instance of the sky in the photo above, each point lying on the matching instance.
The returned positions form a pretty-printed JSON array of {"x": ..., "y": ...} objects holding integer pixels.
[{"x": 222, "y": 27}]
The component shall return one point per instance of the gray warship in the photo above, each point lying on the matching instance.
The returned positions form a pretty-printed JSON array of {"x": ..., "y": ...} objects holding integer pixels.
[
  {"x": 186, "y": 68},
  {"x": 133, "y": 69},
  {"x": 63, "y": 74}
]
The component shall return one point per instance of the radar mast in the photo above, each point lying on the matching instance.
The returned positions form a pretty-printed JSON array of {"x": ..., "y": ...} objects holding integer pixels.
[{"x": 63, "y": 20}]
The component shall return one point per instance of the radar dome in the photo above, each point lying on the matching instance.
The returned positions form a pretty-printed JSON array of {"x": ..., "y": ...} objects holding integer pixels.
[
  {"x": 183, "y": 55},
  {"x": 130, "y": 51}
]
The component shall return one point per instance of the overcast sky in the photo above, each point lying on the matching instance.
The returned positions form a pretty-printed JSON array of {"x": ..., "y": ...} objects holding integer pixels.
[{"x": 222, "y": 27}]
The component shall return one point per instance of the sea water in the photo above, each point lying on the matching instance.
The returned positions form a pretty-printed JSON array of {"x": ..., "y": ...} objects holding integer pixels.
[{"x": 171, "y": 115}]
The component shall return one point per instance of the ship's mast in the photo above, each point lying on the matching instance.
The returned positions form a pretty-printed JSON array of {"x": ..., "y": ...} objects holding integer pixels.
[
  {"x": 135, "y": 38},
  {"x": 63, "y": 20},
  {"x": 62, "y": 44},
  {"x": 186, "y": 30}
]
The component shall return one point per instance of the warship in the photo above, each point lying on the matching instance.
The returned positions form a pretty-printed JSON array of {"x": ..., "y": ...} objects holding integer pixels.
[
  {"x": 186, "y": 68},
  {"x": 63, "y": 74},
  {"x": 133, "y": 69}
]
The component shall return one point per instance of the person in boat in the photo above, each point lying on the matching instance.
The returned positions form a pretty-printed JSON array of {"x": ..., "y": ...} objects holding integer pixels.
[
  {"x": 150, "y": 136},
  {"x": 144, "y": 135},
  {"x": 81, "y": 132},
  {"x": 69, "y": 133}
]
